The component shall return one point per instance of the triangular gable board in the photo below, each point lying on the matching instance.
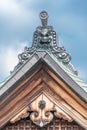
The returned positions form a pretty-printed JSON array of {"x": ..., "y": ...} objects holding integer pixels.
[{"x": 41, "y": 90}]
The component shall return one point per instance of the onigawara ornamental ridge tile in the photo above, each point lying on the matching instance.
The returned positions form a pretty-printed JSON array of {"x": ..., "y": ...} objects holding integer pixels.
[{"x": 45, "y": 39}]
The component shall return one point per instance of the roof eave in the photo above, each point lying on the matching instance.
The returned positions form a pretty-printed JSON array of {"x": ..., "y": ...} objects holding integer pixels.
[{"x": 34, "y": 61}]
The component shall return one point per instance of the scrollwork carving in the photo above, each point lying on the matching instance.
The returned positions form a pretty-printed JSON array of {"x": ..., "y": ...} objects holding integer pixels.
[
  {"x": 41, "y": 117},
  {"x": 41, "y": 112}
]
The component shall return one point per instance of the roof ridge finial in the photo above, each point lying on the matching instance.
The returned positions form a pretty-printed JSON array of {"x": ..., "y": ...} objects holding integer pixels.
[
  {"x": 45, "y": 39},
  {"x": 44, "y": 36},
  {"x": 44, "y": 18}
]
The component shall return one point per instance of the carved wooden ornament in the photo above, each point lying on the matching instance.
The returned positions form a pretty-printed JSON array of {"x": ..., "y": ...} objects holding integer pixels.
[{"x": 41, "y": 112}]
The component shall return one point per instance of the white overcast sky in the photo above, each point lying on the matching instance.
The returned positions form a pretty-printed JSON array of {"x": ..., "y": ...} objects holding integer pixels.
[{"x": 19, "y": 19}]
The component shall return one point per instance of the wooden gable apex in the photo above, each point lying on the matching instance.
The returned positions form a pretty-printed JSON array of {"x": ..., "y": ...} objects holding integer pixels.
[{"x": 39, "y": 76}]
